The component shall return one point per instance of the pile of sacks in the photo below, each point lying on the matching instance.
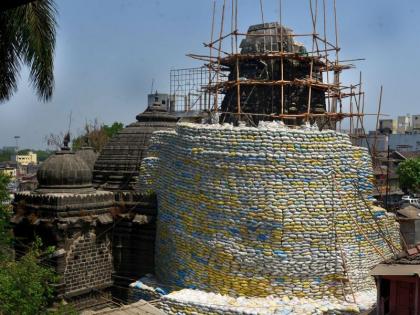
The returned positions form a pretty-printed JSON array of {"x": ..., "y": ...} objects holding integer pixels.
[
  {"x": 187, "y": 301},
  {"x": 198, "y": 302},
  {"x": 265, "y": 211}
]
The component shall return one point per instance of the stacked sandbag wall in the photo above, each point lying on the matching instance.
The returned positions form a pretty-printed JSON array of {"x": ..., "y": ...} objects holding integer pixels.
[{"x": 265, "y": 211}]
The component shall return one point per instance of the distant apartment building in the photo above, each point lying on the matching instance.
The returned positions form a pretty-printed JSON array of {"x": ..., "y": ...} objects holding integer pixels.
[
  {"x": 404, "y": 124},
  {"x": 25, "y": 159},
  {"x": 401, "y": 125},
  {"x": 8, "y": 171},
  {"x": 416, "y": 123},
  {"x": 401, "y": 134},
  {"x": 388, "y": 126}
]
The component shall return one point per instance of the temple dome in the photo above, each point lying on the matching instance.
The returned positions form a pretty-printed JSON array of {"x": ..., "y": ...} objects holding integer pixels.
[
  {"x": 64, "y": 172},
  {"x": 117, "y": 166},
  {"x": 88, "y": 155}
]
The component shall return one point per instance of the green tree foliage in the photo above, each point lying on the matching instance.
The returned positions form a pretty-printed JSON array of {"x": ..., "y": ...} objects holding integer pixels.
[
  {"x": 5, "y": 155},
  {"x": 26, "y": 285},
  {"x": 96, "y": 135},
  {"x": 5, "y": 235},
  {"x": 43, "y": 155},
  {"x": 27, "y": 36},
  {"x": 409, "y": 175},
  {"x": 113, "y": 129}
]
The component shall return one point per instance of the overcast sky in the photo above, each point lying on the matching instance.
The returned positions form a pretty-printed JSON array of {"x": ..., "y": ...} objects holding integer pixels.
[{"x": 108, "y": 52}]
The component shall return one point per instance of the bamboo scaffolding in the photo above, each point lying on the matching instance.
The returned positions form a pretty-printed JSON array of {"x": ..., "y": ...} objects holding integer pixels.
[
  {"x": 231, "y": 58},
  {"x": 320, "y": 62},
  {"x": 304, "y": 115},
  {"x": 287, "y": 35},
  {"x": 296, "y": 82}
]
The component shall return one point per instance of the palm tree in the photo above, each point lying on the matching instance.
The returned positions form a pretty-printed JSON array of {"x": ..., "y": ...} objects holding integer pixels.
[{"x": 27, "y": 36}]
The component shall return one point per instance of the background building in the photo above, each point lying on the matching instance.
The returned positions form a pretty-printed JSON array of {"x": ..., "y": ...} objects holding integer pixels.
[
  {"x": 159, "y": 101},
  {"x": 8, "y": 171},
  {"x": 404, "y": 142},
  {"x": 388, "y": 126},
  {"x": 401, "y": 125},
  {"x": 25, "y": 159},
  {"x": 404, "y": 124},
  {"x": 416, "y": 123}
]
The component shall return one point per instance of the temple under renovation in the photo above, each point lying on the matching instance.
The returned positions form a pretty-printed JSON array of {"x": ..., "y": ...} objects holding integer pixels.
[
  {"x": 234, "y": 194},
  {"x": 265, "y": 99}
]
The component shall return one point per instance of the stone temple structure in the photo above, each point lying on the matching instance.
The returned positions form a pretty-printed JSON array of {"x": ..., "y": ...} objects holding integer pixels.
[
  {"x": 66, "y": 212},
  {"x": 88, "y": 155},
  {"x": 116, "y": 170},
  {"x": 117, "y": 167},
  {"x": 266, "y": 99}
]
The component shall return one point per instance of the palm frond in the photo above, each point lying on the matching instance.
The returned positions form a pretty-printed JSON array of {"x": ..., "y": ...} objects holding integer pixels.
[
  {"x": 37, "y": 27},
  {"x": 29, "y": 37},
  {"x": 9, "y": 59}
]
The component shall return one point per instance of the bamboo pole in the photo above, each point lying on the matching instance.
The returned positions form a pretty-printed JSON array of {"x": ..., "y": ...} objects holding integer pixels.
[
  {"x": 296, "y": 82},
  {"x": 232, "y": 26},
  {"x": 262, "y": 12},
  {"x": 360, "y": 98},
  {"x": 282, "y": 57},
  {"x": 216, "y": 97},
  {"x": 231, "y": 58},
  {"x": 314, "y": 17},
  {"x": 211, "y": 40},
  {"x": 336, "y": 70},
  {"x": 304, "y": 115},
  {"x": 326, "y": 55},
  {"x": 377, "y": 123},
  {"x": 288, "y": 35},
  {"x": 312, "y": 61},
  {"x": 364, "y": 234},
  {"x": 238, "y": 85},
  {"x": 351, "y": 112},
  {"x": 221, "y": 38}
]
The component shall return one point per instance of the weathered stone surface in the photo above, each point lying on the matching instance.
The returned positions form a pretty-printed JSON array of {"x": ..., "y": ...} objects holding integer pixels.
[
  {"x": 66, "y": 212},
  {"x": 117, "y": 167},
  {"x": 265, "y": 99},
  {"x": 116, "y": 170},
  {"x": 88, "y": 155},
  {"x": 64, "y": 172}
]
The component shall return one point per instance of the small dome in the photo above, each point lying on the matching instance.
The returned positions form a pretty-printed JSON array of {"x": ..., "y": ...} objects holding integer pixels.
[
  {"x": 64, "y": 172},
  {"x": 88, "y": 155}
]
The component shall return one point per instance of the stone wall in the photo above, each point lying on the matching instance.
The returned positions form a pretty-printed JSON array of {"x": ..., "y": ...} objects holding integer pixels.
[
  {"x": 88, "y": 262},
  {"x": 133, "y": 251},
  {"x": 266, "y": 211},
  {"x": 79, "y": 227}
]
